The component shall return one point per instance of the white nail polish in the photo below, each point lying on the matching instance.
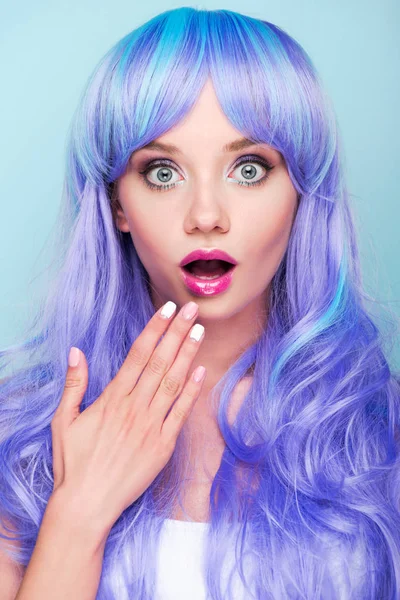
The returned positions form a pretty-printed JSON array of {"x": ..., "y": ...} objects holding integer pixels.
[
  {"x": 196, "y": 332},
  {"x": 168, "y": 309}
]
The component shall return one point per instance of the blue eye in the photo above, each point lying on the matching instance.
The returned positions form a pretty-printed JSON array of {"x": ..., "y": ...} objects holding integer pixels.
[
  {"x": 249, "y": 170},
  {"x": 166, "y": 167}
]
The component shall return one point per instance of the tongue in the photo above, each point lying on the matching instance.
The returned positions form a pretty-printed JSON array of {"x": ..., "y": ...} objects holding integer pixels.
[{"x": 208, "y": 267}]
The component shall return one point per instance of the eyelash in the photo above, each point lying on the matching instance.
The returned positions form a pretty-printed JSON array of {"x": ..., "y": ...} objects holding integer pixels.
[{"x": 251, "y": 158}]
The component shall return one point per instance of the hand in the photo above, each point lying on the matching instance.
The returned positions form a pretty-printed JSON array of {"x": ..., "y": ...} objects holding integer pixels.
[{"x": 109, "y": 454}]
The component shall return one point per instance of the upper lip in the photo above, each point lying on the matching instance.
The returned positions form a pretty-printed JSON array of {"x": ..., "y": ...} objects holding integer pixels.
[{"x": 207, "y": 254}]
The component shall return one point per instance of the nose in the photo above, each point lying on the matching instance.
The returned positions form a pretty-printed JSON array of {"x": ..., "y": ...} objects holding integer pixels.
[{"x": 207, "y": 209}]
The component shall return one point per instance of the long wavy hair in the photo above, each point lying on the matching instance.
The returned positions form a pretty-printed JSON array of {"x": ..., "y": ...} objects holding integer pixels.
[{"x": 312, "y": 458}]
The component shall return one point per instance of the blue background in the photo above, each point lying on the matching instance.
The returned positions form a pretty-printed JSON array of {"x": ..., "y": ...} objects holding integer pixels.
[{"x": 48, "y": 49}]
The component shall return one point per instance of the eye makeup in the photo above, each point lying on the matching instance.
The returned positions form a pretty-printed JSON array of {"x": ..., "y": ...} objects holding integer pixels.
[{"x": 167, "y": 163}]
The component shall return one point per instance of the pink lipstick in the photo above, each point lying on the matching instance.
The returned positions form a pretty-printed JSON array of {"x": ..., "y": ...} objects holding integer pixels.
[{"x": 207, "y": 272}]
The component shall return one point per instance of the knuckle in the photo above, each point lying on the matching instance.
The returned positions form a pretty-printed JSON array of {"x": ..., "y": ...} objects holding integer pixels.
[
  {"x": 137, "y": 356},
  {"x": 178, "y": 412},
  {"x": 171, "y": 385},
  {"x": 189, "y": 348},
  {"x": 72, "y": 381},
  {"x": 157, "y": 365},
  {"x": 181, "y": 327}
]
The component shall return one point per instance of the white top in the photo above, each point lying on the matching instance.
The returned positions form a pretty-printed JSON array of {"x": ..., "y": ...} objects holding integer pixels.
[{"x": 179, "y": 565}]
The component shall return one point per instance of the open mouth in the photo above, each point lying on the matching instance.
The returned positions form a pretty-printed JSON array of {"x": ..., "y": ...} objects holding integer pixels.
[{"x": 208, "y": 269}]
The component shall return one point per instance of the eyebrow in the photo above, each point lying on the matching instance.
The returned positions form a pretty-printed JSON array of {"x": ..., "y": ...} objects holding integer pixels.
[{"x": 231, "y": 147}]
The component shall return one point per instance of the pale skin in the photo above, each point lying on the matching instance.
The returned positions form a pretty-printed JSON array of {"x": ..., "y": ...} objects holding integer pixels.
[{"x": 208, "y": 208}]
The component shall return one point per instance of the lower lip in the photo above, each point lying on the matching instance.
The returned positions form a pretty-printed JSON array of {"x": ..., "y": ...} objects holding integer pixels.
[{"x": 207, "y": 287}]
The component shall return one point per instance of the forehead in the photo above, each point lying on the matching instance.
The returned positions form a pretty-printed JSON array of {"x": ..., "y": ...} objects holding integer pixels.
[{"x": 232, "y": 146}]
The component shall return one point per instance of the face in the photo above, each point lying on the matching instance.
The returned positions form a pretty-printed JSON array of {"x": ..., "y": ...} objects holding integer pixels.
[{"x": 241, "y": 201}]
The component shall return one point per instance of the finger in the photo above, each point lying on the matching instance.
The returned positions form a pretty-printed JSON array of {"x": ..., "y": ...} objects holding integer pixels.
[
  {"x": 141, "y": 350},
  {"x": 174, "y": 380},
  {"x": 182, "y": 408},
  {"x": 75, "y": 386},
  {"x": 76, "y": 381},
  {"x": 163, "y": 357}
]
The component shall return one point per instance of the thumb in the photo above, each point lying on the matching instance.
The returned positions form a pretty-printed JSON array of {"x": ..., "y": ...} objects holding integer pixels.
[{"x": 76, "y": 382}]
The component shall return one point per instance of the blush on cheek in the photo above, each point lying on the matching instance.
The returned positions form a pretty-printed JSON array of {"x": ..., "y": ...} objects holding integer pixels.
[
  {"x": 272, "y": 235},
  {"x": 271, "y": 249}
]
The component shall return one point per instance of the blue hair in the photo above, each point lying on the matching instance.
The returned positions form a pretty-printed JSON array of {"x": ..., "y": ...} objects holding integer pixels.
[{"x": 312, "y": 457}]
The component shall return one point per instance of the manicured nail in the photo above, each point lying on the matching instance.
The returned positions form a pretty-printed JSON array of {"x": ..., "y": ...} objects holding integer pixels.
[
  {"x": 198, "y": 374},
  {"x": 196, "y": 332},
  {"x": 190, "y": 310},
  {"x": 73, "y": 358},
  {"x": 168, "y": 310}
]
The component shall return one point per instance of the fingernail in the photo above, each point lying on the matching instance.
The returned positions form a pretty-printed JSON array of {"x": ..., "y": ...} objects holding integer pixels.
[
  {"x": 190, "y": 310},
  {"x": 168, "y": 310},
  {"x": 73, "y": 358},
  {"x": 196, "y": 332},
  {"x": 199, "y": 374}
]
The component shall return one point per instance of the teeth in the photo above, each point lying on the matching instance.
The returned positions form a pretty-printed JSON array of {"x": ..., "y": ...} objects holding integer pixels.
[{"x": 207, "y": 277}]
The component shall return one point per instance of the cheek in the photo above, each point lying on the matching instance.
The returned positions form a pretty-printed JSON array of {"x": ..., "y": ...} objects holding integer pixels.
[
  {"x": 146, "y": 216},
  {"x": 150, "y": 236},
  {"x": 148, "y": 227},
  {"x": 271, "y": 226}
]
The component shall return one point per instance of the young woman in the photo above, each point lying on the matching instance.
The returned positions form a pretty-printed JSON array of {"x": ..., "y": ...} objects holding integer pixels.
[{"x": 207, "y": 224}]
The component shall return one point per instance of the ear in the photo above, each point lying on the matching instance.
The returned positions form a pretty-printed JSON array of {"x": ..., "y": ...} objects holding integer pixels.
[
  {"x": 120, "y": 221},
  {"x": 118, "y": 214}
]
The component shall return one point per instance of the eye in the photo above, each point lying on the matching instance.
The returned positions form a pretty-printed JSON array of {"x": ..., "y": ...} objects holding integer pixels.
[
  {"x": 164, "y": 170},
  {"x": 249, "y": 171}
]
